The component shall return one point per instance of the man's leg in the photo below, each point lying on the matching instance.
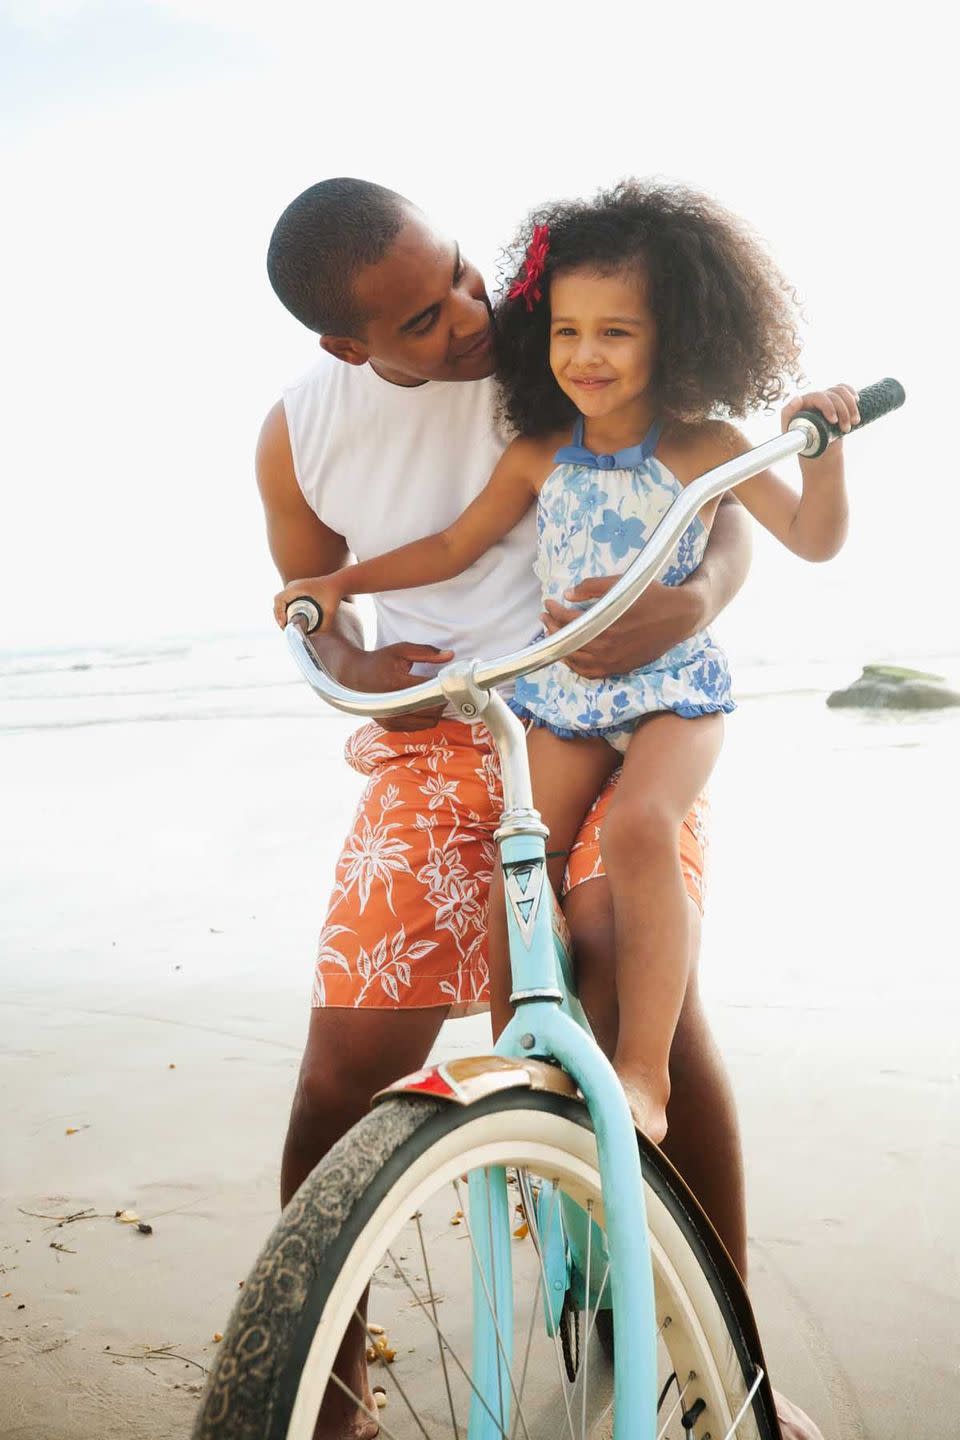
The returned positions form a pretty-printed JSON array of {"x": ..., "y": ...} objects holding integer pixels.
[
  {"x": 703, "y": 1139},
  {"x": 349, "y": 1056},
  {"x": 706, "y": 1147}
]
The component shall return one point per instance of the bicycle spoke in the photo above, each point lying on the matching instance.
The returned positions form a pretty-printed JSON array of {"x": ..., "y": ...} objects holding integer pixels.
[
  {"x": 440, "y": 1347},
  {"x": 603, "y": 1285},
  {"x": 676, "y": 1407},
  {"x": 453, "y": 1354},
  {"x": 372, "y": 1338},
  {"x": 757, "y": 1381},
  {"x": 660, "y": 1329},
  {"x": 604, "y": 1414}
]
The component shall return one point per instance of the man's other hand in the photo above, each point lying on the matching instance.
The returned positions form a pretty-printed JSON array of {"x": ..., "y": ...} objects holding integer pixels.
[
  {"x": 663, "y": 616},
  {"x": 389, "y": 668}
]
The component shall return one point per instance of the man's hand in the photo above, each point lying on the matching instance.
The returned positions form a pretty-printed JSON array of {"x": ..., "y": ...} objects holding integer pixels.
[
  {"x": 662, "y": 617},
  {"x": 388, "y": 669}
]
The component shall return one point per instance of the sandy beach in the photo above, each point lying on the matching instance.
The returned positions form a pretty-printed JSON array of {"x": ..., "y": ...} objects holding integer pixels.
[{"x": 166, "y": 853}]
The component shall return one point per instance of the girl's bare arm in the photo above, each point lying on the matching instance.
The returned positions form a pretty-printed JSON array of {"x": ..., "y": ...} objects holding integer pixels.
[
  {"x": 812, "y": 524},
  {"x": 504, "y": 500}
]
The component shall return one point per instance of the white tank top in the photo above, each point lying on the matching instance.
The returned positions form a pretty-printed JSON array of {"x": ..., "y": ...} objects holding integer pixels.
[{"x": 383, "y": 464}]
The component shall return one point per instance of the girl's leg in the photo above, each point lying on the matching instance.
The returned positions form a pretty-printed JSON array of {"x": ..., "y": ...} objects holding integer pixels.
[
  {"x": 667, "y": 764},
  {"x": 566, "y": 777}
]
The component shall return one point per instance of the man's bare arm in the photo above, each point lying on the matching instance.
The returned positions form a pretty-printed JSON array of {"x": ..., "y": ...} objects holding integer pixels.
[
  {"x": 665, "y": 615},
  {"x": 298, "y": 539},
  {"x": 302, "y": 545},
  {"x": 725, "y": 565}
]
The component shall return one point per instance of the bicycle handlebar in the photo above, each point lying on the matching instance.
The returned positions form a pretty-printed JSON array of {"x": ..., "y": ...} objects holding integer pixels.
[
  {"x": 808, "y": 436},
  {"x": 874, "y": 401}
]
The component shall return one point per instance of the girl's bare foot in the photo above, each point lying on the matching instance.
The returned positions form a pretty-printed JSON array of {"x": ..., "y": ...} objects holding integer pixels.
[{"x": 647, "y": 1097}]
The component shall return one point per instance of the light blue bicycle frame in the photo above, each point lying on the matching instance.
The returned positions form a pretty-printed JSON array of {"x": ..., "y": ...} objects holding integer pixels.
[{"x": 548, "y": 1022}]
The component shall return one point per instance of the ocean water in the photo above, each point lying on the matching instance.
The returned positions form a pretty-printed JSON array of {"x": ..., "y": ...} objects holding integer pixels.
[
  {"x": 253, "y": 677},
  {"x": 121, "y": 684}
]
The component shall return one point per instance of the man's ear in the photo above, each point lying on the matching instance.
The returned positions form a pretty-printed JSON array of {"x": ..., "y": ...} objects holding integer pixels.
[{"x": 345, "y": 348}]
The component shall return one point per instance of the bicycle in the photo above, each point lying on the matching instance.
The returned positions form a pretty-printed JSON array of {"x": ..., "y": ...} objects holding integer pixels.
[{"x": 532, "y": 1140}]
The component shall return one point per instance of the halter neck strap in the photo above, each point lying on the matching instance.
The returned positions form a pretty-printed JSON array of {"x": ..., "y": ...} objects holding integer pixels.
[{"x": 629, "y": 459}]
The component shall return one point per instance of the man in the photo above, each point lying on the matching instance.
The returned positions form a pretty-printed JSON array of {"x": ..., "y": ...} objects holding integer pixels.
[{"x": 388, "y": 439}]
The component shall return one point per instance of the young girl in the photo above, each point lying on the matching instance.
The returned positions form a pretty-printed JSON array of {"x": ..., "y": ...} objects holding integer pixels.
[{"x": 630, "y": 326}]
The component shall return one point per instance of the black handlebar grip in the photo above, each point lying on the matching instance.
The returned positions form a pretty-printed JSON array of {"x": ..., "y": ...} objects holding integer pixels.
[
  {"x": 872, "y": 402},
  {"x": 303, "y": 608}
]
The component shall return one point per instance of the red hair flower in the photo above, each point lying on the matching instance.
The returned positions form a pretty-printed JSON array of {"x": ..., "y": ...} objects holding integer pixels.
[{"x": 533, "y": 267}]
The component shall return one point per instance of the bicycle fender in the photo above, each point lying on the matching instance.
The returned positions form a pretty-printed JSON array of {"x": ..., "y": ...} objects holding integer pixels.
[{"x": 469, "y": 1079}]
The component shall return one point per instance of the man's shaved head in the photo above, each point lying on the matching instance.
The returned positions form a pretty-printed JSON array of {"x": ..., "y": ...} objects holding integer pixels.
[{"x": 320, "y": 242}]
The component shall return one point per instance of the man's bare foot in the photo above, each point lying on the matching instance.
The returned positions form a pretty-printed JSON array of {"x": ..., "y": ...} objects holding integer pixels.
[
  {"x": 795, "y": 1424},
  {"x": 648, "y": 1103}
]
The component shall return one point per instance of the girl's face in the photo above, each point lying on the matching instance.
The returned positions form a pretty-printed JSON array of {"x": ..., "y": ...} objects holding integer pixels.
[{"x": 603, "y": 339}]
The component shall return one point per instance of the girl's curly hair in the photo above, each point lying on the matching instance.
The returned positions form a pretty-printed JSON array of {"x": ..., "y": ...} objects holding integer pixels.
[{"x": 726, "y": 317}]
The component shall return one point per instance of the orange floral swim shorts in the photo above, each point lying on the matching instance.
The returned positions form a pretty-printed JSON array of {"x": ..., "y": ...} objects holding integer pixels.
[{"x": 407, "y": 921}]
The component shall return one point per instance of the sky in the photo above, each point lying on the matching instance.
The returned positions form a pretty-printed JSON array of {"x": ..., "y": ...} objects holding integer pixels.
[{"x": 148, "y": 147}]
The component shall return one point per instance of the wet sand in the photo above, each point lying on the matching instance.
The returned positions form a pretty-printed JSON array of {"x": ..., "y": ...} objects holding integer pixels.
[{"x": 165, "y": 882}]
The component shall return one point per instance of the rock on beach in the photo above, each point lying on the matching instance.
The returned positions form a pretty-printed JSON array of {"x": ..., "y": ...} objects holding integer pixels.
[{"x": 892, "y": 687}]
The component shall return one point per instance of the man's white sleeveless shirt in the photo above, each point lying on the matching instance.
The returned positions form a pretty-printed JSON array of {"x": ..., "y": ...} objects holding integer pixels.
[{"x": 383, "y": 464}]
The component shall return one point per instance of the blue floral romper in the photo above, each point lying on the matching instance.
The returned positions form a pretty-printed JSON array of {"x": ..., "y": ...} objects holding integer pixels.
[{"x": 595, "y": 513}]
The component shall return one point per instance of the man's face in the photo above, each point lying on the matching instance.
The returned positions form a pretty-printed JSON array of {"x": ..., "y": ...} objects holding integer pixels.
[{"x": 428, "y": 313}]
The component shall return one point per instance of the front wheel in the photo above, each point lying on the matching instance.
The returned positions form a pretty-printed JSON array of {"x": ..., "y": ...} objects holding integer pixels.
[{"x": 388, "y": 1209}]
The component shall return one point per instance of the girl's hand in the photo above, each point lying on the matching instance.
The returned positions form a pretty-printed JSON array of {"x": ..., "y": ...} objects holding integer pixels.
[
  {"x": 324, "y": 589},
  {"x": 837, "y": 405}
]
